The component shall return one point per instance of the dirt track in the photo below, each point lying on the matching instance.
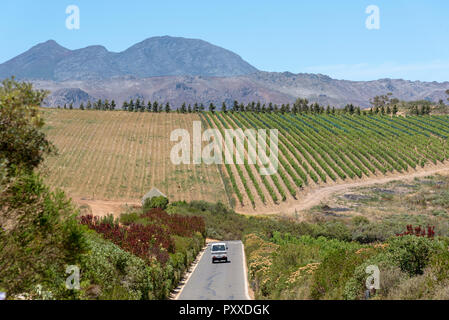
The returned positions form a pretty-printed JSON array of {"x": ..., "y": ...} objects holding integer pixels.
[
  {"x": 102, "y": 208},
  {"x": 315, "y": 196},
  {"x": 307, "y": 199}
]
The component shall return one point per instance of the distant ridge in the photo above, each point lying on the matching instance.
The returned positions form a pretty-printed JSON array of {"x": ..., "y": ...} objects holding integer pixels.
[
  {"x": 177, "y": 70},
  {"x": 157, "y": 56}
]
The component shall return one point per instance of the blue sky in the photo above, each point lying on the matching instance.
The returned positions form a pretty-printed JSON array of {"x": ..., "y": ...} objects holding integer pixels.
[{"x": 319, "y": 36}]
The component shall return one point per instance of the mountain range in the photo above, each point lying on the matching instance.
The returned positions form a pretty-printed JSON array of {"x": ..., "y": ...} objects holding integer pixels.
[{"x": 181, "y": 70}]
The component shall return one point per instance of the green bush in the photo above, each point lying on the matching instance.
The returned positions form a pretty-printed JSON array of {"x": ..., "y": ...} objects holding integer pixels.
[
  {"x": 155, "y": 202},
  {"x": 332, "y": 274},
  {"x": 390, "y": 277},
  {"x": 412, "y": 253},
  {"x": 41, "y": 237},
  {"x": 116, "y": 273}
]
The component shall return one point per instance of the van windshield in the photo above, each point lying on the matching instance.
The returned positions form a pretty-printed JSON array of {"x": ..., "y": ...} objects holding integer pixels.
[{"x": 219, "y": 247}]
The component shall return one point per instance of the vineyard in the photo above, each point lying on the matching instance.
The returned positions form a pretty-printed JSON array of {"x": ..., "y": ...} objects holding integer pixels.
[
  {"x": 121, "y": 155},
  {"x": 330, "y": 148}
]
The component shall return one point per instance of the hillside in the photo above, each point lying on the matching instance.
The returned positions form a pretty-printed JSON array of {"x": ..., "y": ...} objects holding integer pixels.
[{"x": 104, "y": 158}]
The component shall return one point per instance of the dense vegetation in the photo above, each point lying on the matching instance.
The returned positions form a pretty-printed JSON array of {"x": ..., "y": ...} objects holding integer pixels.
[
  {"x": 167, "y": 244},
  {"x": 39, "y": 233},
  {"x": 288, "y": 267}
]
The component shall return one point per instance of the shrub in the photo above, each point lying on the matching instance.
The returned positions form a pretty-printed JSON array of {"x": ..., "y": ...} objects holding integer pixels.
[
  {"x": 109, "y": 267},
  {"x": 390, "y": 277},
  {"x": 160, "y": 202},
  {"x": 332, "y": 274},
  {"x": 146, "y": 242},
  {"x": 411, "y": 253},
  {"x": 40, "y": 237}
]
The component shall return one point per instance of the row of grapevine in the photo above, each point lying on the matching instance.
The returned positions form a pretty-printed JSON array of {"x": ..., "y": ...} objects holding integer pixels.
[
  {"x": 316, "y": 148},
  {"x": 229, "y": 171}
]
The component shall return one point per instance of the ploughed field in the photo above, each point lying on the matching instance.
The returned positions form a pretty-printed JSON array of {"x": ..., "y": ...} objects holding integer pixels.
[
  {"x": 115, "y": 155},
  {"x": 120, "y": 155}
]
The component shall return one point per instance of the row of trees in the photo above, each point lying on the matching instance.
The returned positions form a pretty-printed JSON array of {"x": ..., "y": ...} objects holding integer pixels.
[
  {"x": 98, "y": 105},
  {"x": 381, "y": 105}
]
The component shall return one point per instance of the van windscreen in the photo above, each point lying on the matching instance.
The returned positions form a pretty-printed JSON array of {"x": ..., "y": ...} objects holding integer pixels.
[{"x": 218, "y": 248}]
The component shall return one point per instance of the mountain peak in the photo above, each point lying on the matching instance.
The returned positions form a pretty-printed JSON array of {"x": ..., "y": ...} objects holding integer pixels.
[
  {"x": 49, "y": 45},
  {"x": 155, "y": 56}
]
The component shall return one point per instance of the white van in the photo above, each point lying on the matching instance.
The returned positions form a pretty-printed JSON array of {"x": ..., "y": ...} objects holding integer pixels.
[{"x": 219, "y": 252}]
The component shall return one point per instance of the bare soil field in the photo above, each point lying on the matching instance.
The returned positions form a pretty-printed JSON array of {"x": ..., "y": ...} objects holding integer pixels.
[{"x": 110, "y": 158}]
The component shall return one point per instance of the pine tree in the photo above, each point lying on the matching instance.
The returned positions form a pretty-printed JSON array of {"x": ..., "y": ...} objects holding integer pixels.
[
  {"x": 149, "y": 106},
  {"x": 137, "y": 106},
  {"x": 82, "y": 106},
  {"x": 125, "y": 106},
  {"x": 223, "y": 107},
  {"x": 71, "y": 106},
  {"x": 183, "y": 108},
  {"x": 395, "y": 109},
  {"x": 89, "y": 105},
  {"x": 211, "y": 107},
  {"x": 235, "y": 106},
  {"x": 113, "y": 105},
  {"x": 167, "y": 107},
  {"x": 155, "y": 106}
]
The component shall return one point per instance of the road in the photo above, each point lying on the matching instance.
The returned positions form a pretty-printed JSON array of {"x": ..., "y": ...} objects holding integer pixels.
[{"x": 218, "y": 281}]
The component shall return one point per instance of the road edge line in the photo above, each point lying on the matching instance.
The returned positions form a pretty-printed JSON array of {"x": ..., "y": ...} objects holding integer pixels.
[
  {"x": 200, "y": 256},
  {"x": 245, "y": 271}
]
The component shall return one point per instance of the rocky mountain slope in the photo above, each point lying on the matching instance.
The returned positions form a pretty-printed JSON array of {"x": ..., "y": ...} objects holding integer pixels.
[
  {"x": 167, "y": 56},
  {"x": 181, "y": 70}
]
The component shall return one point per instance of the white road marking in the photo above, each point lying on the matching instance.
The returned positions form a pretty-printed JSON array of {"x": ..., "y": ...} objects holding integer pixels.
[
  {"x": 245, "y": 271},
  {"x": 190, "y": 274}
]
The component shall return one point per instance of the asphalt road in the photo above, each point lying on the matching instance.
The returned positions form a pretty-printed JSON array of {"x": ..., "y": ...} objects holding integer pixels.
[{"x": 218, "y": 281}]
